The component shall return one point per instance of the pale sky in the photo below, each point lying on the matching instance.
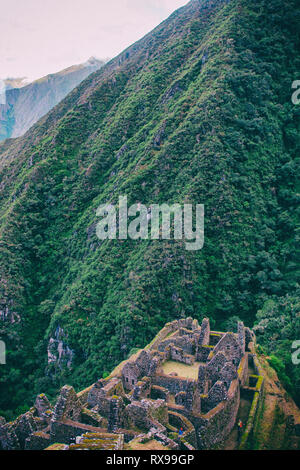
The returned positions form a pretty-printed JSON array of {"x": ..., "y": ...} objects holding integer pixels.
[{"x": 38, "y": 37}]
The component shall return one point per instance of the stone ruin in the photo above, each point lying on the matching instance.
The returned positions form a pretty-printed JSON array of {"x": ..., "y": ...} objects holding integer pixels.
[{"x": 189, "y": 377}]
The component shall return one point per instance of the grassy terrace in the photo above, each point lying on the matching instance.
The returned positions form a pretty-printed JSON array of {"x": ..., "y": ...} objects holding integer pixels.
[{"x": 183, "y": 370}]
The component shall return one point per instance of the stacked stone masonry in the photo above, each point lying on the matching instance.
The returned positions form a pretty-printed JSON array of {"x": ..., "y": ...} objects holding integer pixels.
[{"x": 140, "y": 401}]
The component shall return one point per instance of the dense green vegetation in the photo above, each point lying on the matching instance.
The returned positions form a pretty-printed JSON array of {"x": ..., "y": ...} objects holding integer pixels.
[
  {"x": 198, "y": 111},
  {"x": 277, "y": 326}
]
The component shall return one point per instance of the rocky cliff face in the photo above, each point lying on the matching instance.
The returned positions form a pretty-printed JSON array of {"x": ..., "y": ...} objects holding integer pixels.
[
  {"x": 24, "y": 106},
  {"x": 59, "y": 352}
]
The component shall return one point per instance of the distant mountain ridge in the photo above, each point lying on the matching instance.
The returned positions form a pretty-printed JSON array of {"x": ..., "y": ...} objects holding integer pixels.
[{"x": 25, "y": 105}]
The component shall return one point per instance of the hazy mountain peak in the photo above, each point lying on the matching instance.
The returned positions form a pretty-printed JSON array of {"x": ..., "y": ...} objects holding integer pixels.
[
  {"x": 17, "y": 82},
  {"x": 93, "y": 61},
  {"x": 23, "y": 102}
]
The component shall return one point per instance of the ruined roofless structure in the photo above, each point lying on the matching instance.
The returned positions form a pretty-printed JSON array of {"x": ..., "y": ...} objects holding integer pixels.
[{"x": 189, "y": 377}]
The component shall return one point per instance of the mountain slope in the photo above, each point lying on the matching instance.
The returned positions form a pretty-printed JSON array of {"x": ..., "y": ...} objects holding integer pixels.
[
  {"x": 26, "y": 105},
  {"x": 198, "y": 111}
]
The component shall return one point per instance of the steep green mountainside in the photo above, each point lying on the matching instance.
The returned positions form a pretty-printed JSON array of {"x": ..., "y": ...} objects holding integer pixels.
[
  {"x": 25, "y": 105},
  {"x": 198, "y": 111}
]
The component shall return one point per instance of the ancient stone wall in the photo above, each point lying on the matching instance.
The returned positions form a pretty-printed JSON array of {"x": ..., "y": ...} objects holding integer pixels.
[
  {"x": 205, "y": 408},
  {"x": 213, "y": 427},
  {"x": 231, "y": 348},
  {"x": 173, "y": 384}
]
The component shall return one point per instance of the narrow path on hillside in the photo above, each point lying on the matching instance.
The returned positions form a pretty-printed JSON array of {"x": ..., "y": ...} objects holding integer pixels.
[{"x": 232, "y": 442}]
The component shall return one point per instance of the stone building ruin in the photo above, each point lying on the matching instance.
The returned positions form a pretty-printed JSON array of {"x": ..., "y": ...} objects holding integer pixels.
[{"x": 189, "y": 377}]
